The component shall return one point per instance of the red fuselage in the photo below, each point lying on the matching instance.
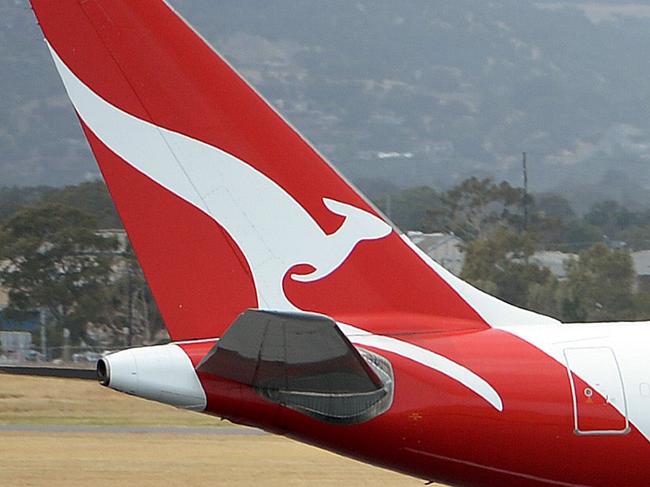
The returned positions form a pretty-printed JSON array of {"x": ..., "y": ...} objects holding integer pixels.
[{"x": 438, "y": 430}]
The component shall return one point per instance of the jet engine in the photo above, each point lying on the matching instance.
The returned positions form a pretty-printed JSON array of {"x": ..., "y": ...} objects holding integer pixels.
[{"x": 162, "y": 373}]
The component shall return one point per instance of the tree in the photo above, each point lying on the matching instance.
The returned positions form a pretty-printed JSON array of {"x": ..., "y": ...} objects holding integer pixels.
[
  {"x": 555, "y": 226},
  {"x": 636, "y": 237},
  {"x": 410, "y": 208},
  {"x": 92, "y": 196},
  {"x": 642, "y": 306},
  {"x": 577, "y": 235},
  {"x": 500, "y": 266},
  {"x": 544, "y": 297},
  {"x": 600, "y": 286},
  {"x": 555, "y": 206},
  {"x": 611, "y": 217},
  {"x": 13, "y": 199},
  {"x": 476, "y": 208},
  {"x": 131, "y": 316},
  {"x": 54, "y": 259}
]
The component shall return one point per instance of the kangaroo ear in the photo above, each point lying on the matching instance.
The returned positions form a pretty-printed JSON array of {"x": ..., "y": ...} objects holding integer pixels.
[
  {"x": 339, "y": 208},
  {"x": 364, "y": 224},
  {"x": 299, "y": 271}
]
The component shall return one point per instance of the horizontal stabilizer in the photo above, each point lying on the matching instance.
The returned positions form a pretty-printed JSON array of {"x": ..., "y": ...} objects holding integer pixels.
[{"x": 303, "y": 361}]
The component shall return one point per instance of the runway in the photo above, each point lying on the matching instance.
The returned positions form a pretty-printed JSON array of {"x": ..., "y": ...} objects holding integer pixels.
[
  {"x": 163, "y": 430},
  {"x": 154, "y": 459}
]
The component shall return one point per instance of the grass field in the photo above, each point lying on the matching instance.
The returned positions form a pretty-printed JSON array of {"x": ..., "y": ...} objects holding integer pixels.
[
  {"x": 40, "y": 400},
  {"x": 51, "y": 459}
]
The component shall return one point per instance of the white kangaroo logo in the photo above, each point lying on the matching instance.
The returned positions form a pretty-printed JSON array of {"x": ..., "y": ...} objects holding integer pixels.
[{"x": 274, "y": 232}]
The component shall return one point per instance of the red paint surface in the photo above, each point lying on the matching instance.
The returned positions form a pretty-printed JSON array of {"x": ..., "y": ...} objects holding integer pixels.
[
  {"x": 594, "y": 412},
  {"x": 197, "y": 293},
  {"x": 440, "y": 430}
]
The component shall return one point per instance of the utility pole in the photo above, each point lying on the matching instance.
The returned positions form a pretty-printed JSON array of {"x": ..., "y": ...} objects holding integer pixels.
[
  {"x": 66, "y": 346},
  {"x": 43, "y": 323},
  {"x": 389, "y": 207},
  {"x": 525, "y": 167},
  {"x": 130, "y": 303}
]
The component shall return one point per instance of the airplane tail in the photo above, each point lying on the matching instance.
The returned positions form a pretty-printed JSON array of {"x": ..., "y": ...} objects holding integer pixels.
[{"x": 228, "y": 207}]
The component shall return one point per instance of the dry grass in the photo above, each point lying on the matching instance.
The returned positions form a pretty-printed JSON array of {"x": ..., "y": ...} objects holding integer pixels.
[
  {"x": 41, "y": 400},
  {"x": 185, "y": 460},
  {"x": 150, "y": 459}
]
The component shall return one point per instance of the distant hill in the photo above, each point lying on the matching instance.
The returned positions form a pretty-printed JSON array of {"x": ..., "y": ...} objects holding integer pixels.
[{"x": 413, "y": 92}]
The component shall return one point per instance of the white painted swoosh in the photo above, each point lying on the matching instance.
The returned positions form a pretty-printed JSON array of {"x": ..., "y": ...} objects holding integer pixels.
[
  {"x": 429, "y": 359},
  {"x": 273, "y": 231}
]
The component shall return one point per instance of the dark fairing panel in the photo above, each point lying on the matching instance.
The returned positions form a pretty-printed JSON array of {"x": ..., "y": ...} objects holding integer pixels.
[{"x": 303, "y": 361}]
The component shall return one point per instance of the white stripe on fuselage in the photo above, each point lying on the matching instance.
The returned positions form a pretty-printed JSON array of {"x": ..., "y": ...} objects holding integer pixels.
[
  {"x": 427, "y": 358},
  {"x": 630, "y": 343}
]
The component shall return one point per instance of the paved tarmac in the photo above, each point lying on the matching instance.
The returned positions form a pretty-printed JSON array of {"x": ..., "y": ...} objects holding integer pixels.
[{"x": 180, "y": 430}]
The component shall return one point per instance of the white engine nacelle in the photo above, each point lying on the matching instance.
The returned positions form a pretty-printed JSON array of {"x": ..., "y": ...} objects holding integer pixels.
[{"x": 162, "y": 373}]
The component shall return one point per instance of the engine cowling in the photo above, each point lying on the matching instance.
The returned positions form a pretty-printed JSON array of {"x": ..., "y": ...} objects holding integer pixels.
[{"x": 162, "y": 373}]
